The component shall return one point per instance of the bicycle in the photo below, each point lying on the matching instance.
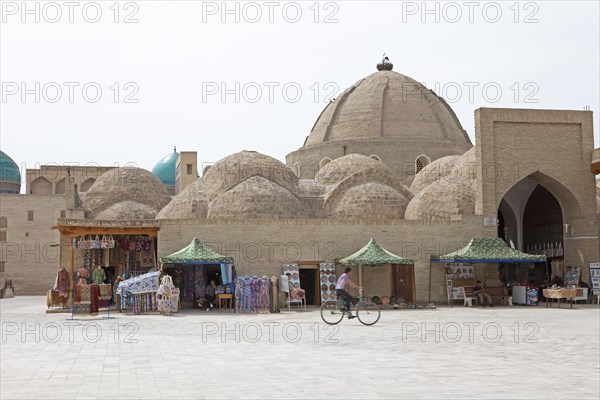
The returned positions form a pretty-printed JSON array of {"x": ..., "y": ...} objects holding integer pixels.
[{"x": 367, "y": 312}]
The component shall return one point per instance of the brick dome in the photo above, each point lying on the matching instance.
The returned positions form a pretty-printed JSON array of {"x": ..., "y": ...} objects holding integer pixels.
[
  {"x": 370, "y": 200},
  {"x": 433, "y": 172},
  {"x": 190, "y": 203},
  {"x": 127, "y": 183},
  {"x": 233, "y": 169},
  {"x": 387, "y": 114},
  {"x": 348, "y": 165},
  {"x": 257, "y": 198},
  {"x": 442, "y": 200},
  {"x": 127, "y": 211},
  {"x": 465, "y": 167},
  {"x": 387, "y": 104}
]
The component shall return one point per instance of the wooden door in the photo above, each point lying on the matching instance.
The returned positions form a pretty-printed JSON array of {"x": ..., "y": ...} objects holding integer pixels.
[{"x": 403, "y": 282}]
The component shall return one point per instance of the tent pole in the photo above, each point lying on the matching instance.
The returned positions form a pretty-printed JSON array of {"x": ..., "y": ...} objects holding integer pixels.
[
  {"x": 360, "y": 283},
  {"x": 429, "y": 301}
]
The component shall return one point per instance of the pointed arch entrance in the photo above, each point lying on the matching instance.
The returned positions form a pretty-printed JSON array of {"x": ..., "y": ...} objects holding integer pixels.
[{"x": 531, "y": 218}]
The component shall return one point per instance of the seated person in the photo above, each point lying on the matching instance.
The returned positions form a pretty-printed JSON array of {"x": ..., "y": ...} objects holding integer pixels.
[
  {"x": 480, "y": 292},
  {"x": 211, "y": 294}
]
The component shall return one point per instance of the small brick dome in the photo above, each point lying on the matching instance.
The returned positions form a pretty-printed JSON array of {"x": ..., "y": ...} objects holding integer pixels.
[
  {"x": 127, "y": 211},
  {"x": 127, "y": 183},
  {"x": 348, "y": 165},
  {"x": 190, "y": 203},
  {"x": 257, "y": 198},
  {"x": 233, "y": 169},
  {"x": 369, "y": 200},
  {"x": 438, "y": 169},
  {"x": 441, "y": 201}
]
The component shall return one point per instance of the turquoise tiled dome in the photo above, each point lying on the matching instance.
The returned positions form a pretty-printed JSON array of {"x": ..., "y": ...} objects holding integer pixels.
[
  {"x": 10, "y": 177},
  {"x": 165, "y": 168}
]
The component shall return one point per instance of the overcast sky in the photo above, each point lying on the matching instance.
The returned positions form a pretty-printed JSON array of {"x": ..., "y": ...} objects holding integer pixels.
[{"x": 167, "y": 71}]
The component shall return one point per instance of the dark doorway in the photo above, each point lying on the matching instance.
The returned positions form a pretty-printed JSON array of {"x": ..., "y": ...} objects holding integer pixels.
[
  {"x": 403, "y": 282},
  {"x": 542, "y": 219},
  {"x": 308, "y": 277},
  {"x": 542, "y": 228}
]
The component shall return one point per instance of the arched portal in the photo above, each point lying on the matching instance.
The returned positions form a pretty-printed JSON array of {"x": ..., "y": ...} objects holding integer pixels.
[{"x": 531, "y": 218}]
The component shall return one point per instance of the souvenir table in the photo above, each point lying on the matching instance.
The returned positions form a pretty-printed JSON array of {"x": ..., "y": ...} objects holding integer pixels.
[{"x": 563, "y": 293}]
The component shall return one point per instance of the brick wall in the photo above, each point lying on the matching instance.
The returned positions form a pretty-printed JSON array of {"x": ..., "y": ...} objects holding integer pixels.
[{"x": 30, "y": 253}]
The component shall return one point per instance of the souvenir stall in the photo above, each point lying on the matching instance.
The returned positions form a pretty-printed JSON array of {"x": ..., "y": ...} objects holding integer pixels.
[
  {"x": 139, "y": 293},
  {"x": 401, "y": 283},
  {"x": 121, "y": 250},
  {"x": 189, "y": 267},
  {"x": 485, "y": 250}
]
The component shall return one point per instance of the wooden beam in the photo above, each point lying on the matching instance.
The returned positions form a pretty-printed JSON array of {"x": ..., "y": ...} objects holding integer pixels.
[{"x": 96, "y": 230}]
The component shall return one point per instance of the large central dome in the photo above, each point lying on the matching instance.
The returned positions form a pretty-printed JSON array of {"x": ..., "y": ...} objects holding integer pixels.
[
  {"x": 386, "y": 114},
  {"x": 387, "y": 104}
]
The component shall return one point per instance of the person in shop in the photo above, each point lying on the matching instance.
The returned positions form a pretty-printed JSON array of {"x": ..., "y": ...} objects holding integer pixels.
[
  {"x": 340, "y": 290},
  {"x": 479, "y": 291},
  {"x": 211, "y": 294}
]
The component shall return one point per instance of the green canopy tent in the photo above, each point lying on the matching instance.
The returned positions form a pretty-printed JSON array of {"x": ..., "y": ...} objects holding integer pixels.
[
  {"x": 485, "y": 250},
  {"x": 372, "y": 254},
  {"x": 197, "y": 253}
]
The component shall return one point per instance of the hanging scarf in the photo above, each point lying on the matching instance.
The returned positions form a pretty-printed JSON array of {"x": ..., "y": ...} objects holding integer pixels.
[
  {"x": 239, "y": 289},
  {"x": 199, "y": 282},
  {"x": 62, "y": 283},
  {"x": 264, "y": 295},
  {"x": 247, "y": 295},
  {"x": 255, "y": 285},
  {"x": 188, "y": 284}
]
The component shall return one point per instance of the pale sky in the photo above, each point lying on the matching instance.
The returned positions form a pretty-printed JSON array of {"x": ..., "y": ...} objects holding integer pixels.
[{"x": 178, "y": 57}]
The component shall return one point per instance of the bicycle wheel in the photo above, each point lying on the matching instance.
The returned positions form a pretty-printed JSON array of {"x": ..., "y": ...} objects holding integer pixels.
[
  {"x": 368, "y": 313},
  {"x": 331, "y": 313}
]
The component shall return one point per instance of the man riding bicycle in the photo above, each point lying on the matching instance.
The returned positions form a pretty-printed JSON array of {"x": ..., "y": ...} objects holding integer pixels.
[{"x": 340, "y": 290}]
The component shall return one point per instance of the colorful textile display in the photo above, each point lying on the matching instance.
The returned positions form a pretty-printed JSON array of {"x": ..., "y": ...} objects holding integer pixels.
[
  {"x": 62, "y": 283},
  {"x": 238, "y": 294},
  {"x": 188, "y": 284},
  {"x": 255, "y": 294},
  {"x": 199, "y": 282},
  {"x": 263, "y": 296},
  {"x": 94, "y": 294},
  {"x": 83, "y": 294},
  {"x": 82, "y": 275},
  {"x": 167, "y": 296},
  {"x": 105, "y": 292},
  {"x": 247, "y": 295},
  {"x": 140, "y": 284},
  {"x": 98, "y": 276}
]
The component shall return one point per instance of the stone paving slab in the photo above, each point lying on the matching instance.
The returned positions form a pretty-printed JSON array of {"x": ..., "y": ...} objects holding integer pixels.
[{"x": 483, "y": 353}]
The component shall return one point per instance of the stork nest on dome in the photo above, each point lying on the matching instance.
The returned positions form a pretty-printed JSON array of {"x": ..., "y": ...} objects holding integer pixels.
[{"x": 385, "y": 64}]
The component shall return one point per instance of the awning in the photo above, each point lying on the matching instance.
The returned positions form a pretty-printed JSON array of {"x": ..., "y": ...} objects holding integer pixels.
[
  {"x": 140, "y": 284},
  {"x": 373, "y": 254},
  {"x": 488, "y": 250},
  {"x": 196, "y": 253}
]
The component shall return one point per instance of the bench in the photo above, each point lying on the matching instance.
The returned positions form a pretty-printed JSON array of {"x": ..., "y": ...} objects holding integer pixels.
[{"x": 493, "y": 291}]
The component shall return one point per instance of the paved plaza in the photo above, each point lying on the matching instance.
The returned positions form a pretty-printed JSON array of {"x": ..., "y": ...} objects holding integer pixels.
[{"x": 501, "y": 352}]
